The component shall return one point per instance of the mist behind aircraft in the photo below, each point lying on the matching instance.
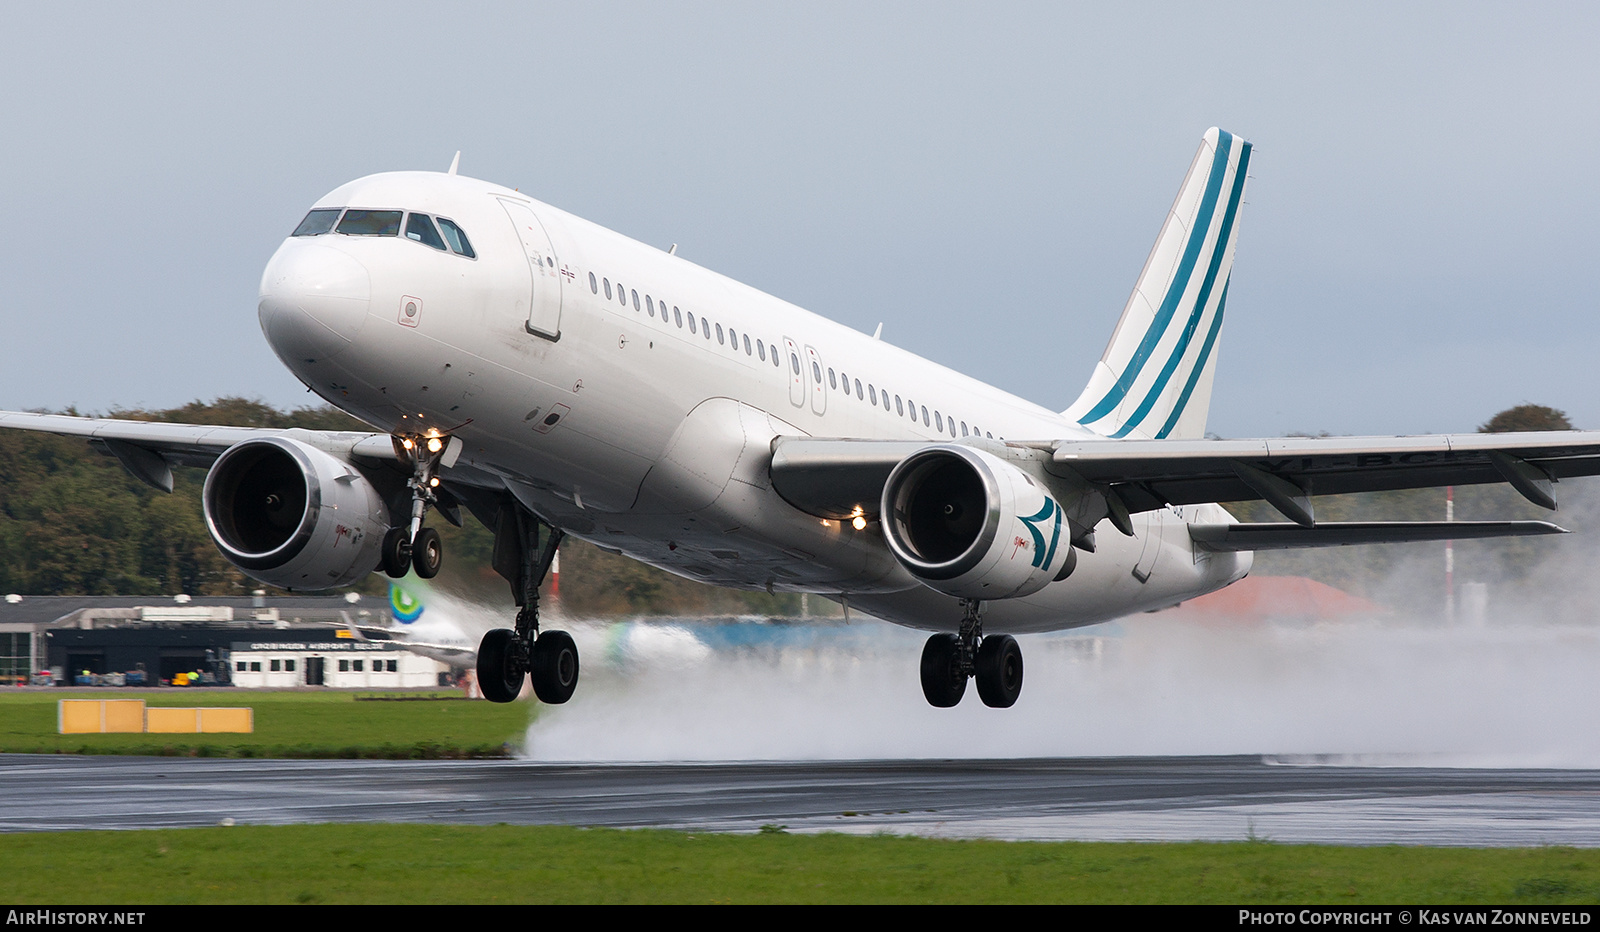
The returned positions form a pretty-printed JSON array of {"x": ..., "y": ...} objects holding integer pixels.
[{"x": 1382, "y": 690}]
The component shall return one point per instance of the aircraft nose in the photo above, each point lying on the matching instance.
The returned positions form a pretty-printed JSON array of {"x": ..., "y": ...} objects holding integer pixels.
[{"x": 314, "y": 299}]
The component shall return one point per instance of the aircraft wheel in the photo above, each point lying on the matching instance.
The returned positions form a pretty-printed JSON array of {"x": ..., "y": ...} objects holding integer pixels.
[
  {"x": 555, "y": 667},
  {"x": 943, "y": 681},
  {"x": 499, "y": 669},
  {"x": 999, "y": 671},
  {"x": 396, "y": 553},
  {"x": 427, "y": 553}
]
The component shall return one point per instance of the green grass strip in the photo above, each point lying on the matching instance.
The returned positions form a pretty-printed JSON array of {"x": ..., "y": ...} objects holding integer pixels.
[
  {"x": 553, "y": 864},
  {"x": 312, "y": 724}
]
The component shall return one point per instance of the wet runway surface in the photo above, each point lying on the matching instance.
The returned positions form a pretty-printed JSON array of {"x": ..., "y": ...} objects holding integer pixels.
[{"x": 1148, "y": 798}]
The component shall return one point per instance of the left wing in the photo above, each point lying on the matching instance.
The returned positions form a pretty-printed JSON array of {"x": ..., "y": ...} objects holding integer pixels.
[
  {"x": 1147, "y": 474},
  {"x": 839, "y": 478}
]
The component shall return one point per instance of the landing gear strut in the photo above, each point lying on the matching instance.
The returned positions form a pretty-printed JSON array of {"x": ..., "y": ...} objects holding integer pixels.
[
  {"x": 994, "y": 661},
  {"x": 415, "y": 547},
  {"x": 524, "y": 549}
]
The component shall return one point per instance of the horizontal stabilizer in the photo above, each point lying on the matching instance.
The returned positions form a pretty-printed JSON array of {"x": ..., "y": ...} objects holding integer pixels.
[{"x": 1283, "y": 536}]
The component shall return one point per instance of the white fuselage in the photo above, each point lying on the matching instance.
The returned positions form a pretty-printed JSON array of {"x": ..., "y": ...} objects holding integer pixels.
[{"x": 661, "y": 434}]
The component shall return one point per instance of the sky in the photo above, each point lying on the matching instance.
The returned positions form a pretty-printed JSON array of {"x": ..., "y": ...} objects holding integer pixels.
[{"x": 1417, "y": 246}]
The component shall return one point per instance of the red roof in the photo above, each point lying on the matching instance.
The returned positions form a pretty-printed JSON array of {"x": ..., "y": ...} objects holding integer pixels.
[{"x": 1258, "y": 598}]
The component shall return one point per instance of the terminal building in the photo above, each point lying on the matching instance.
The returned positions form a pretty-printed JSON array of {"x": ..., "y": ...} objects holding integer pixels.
[{"x": 245, "y": 641}]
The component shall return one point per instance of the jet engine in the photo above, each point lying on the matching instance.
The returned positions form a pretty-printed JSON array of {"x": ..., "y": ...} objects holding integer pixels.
[
  {"x": 293, "y": 516},
  {"x": 969, "y": 524}
]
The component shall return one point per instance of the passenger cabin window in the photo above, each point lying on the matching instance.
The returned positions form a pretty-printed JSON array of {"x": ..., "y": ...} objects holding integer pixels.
[
  {"x": 594, "y": 283},
  {"x": 317, "y": 222},
  {"x": 458, "y": 239},
  {"x": 677, "y": 317},
  {"x": 761, "y": 348},
  {"x": 691, "y": 323},
  {"x": 607, "y": 283},
  {"x": 747, "y": 344},
  {"x": 370, "y": 223},
  {"x": 833, "y": 380},
  {"x": 420, "y": 228}
]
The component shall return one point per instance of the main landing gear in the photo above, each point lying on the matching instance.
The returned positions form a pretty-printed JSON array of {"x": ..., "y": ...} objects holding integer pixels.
[
  {"x": 994, "y": 661},
  {"x": 415, "y": 547},
  {"x": 524, "y": 549}
]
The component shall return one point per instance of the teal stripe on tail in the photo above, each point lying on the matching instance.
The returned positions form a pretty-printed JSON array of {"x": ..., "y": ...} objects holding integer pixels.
[{"x": 1154, "y": 378}]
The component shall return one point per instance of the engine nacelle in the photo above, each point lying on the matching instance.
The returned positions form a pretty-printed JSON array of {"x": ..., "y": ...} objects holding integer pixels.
[
  {"x": 293, "y": 516},
  {"x": 969, "y": 524}
]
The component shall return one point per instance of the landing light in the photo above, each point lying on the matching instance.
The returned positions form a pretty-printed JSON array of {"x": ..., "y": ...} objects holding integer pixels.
[
  {"x": 435, "y": 445},
  {"x": 406, "y": 443},
  {"x": 434, "y": 482},
  {"x": 858, "y": 518}
]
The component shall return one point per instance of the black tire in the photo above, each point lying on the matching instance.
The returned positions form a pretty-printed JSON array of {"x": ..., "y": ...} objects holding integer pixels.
[
  {"x": 555, "y": 667},
  {"x": 396, "y": 553},
  {"x": 943, "y": 683},
  {"x": 499, "y": 665},
  {"x": 427, "y": 553},
  {"x": 999, "y": 671}
]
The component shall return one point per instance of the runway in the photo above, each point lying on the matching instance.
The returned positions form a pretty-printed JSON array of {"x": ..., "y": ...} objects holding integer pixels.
[{"x": 1150, "y": 798}]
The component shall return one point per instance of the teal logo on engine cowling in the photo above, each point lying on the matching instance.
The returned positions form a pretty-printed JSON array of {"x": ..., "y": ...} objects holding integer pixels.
[{"x": 1041, "y": 556}]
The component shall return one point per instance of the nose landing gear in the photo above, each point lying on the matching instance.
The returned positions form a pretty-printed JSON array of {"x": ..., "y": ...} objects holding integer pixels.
[
  {"x": 415, "y": 547},
  {"x": 525, "y": 547},
  {"x": 994, "y": 661}
]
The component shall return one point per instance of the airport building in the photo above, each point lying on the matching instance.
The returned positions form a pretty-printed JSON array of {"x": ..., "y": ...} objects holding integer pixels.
[{"x": 246, "y": 641}]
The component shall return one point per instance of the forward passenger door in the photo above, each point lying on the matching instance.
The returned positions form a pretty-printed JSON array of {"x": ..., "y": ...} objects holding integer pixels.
[{"x": 544, "y": 277}]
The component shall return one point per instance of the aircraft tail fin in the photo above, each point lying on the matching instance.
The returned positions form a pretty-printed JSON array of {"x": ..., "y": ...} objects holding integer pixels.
[{"x": 1154, "y": 380}]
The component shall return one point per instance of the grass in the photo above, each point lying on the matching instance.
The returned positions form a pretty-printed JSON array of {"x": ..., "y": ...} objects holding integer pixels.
[
  {"x": 288, "y": 724},
  {"x": 552, "y": 864}
]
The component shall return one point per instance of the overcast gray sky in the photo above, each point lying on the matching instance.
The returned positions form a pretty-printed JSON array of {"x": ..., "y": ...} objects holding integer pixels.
[{"x": 1417, "y": 250}]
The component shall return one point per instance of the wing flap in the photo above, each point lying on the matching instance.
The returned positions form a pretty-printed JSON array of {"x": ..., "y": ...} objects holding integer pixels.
[{"x": 1221, "y": 538}]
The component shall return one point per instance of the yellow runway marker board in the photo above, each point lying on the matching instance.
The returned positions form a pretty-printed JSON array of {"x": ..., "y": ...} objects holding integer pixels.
[{"x": 100, "y": 716}]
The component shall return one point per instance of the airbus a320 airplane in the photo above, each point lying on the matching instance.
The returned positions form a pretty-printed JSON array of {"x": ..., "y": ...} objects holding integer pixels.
[{"x": 555, "y": 378}]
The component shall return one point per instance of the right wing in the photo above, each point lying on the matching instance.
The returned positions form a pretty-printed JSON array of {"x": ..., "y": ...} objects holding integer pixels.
[{"x": 150, "y": 448}]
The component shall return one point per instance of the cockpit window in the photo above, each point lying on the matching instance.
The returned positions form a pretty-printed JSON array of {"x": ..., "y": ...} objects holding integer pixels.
[
  {"x": 317, "y": 222},
  {"x": 420, "y": 228},
  {"x": 456, "y": 238},
  {"x": 370, "y": 223}
]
